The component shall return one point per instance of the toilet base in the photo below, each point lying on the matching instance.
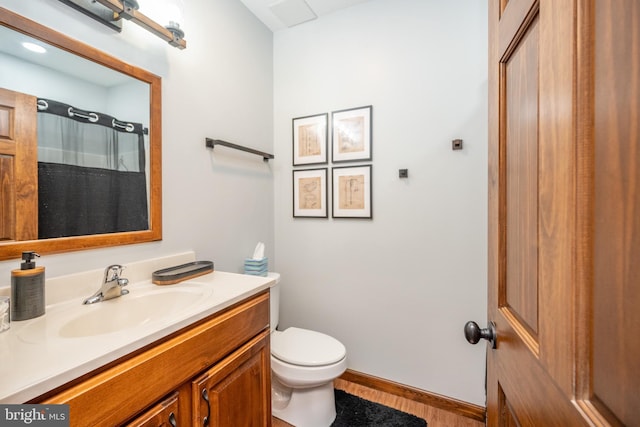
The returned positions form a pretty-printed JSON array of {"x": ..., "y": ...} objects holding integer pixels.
[{"x": 308, "y": 407}]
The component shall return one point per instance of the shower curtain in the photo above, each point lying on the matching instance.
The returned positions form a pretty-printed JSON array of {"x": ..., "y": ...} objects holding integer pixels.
[{"x": 91, "y": 173}]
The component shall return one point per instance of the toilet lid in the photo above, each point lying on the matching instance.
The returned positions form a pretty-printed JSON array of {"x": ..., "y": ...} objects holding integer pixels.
[{"x": 306, "y": 348}]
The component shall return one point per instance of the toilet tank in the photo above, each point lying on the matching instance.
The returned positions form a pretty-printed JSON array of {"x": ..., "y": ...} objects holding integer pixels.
[{"x": 274, "y": 297}]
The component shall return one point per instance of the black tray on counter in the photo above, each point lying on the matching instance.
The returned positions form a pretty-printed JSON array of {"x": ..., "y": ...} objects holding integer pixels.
[{"x": 180, "y": 273}]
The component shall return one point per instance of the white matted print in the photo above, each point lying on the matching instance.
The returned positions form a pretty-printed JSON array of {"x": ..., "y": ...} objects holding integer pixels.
[
  {"x": 310, "y": 193},
  {"x": 310, "y": 140},
  {"x": 352, "y": 192},
  {"x": 351, "y": 134}
]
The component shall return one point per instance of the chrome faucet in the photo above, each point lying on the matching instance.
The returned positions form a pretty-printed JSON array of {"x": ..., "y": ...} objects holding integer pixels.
[{"x": 112, "y": 285}]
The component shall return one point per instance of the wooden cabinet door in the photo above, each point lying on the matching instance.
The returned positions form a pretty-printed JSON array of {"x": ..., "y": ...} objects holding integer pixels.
[
  {"x": 236, "y": 391},
  {"x": 164, "y": 414},
  {"x": 18, "y": 166},
  {"x": 564, "y": 212}
]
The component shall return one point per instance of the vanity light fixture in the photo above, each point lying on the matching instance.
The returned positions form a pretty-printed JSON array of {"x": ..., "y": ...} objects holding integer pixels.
[{"x": 128, "y": 9}]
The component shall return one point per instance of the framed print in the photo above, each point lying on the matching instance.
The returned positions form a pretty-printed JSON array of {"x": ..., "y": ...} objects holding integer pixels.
[
  {"x": 352, "y": 192},
  {"x": 310, "y": 140},
  {"x": 351, "y": 134},
  {"x": 310, "y": 193}
]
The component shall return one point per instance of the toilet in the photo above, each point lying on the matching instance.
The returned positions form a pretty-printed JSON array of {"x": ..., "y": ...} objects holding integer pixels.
[{"x": 304, "y": 364}]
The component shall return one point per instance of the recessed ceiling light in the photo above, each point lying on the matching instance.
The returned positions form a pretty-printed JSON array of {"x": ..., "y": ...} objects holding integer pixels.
[{"x": 34, "y": 47}]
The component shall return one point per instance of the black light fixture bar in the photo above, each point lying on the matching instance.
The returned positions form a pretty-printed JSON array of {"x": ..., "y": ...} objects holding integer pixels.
[{"x": 96, "y": 11}]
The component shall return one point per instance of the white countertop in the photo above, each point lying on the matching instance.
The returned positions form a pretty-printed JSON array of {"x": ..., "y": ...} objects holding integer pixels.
[{"x": 32, "y": 366}]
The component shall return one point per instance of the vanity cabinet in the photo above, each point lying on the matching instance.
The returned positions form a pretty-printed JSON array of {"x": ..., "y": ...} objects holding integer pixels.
[{"x": 218, "y": 368}]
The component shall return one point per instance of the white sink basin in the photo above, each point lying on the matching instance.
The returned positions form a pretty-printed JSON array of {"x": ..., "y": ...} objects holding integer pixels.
[
  {"x": 142, "y": 306},
  {"x": 128, "y": 311}
]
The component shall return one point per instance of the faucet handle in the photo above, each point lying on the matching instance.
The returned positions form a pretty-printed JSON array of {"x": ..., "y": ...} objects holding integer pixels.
[
  {"x": 121, "y": 281},
  {"x": 113, "y": 272}
]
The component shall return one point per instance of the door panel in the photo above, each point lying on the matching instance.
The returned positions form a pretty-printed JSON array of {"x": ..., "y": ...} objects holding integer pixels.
[
  {"x": 507, "y": 417},
  {"x": 7, "y": 197},
  {"x": 521, "y": 146},
  {"x": 564, "y": 212},
  {"x": 18, "y": 167}
]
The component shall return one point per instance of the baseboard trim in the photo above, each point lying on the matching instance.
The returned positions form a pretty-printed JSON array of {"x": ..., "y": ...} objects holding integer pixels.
[{"x": 465, "y": 409}]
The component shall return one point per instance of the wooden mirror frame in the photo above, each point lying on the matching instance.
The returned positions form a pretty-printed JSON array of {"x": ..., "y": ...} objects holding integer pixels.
[{"x": 14, "y": 249}]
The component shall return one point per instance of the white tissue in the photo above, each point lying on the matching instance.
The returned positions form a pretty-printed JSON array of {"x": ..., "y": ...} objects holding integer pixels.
[{"x": 258, "y": 253}]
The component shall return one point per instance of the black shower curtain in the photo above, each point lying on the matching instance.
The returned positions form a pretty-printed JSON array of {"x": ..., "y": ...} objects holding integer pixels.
[{"x": 94, "y": 200}]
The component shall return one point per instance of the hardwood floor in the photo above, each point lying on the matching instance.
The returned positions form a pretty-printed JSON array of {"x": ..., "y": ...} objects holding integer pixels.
[
  {"x": 275, "y": 422},
  {"x": 435, "y": 417}
]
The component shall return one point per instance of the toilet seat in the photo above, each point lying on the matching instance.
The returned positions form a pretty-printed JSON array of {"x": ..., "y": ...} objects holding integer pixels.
[{"x": 303, "y": 347}]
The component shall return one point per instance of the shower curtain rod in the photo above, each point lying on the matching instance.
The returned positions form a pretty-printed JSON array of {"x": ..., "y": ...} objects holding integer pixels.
[{"x": 211, "y": 143}]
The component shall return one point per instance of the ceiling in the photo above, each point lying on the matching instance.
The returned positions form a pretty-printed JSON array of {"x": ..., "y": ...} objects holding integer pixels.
[
  {"x": 281, "y": 14},
  {"x": 59, "y": 60}
]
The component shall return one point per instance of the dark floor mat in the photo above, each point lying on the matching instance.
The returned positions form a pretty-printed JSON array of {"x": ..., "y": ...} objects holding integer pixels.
[{"x": 352, "y": 411}]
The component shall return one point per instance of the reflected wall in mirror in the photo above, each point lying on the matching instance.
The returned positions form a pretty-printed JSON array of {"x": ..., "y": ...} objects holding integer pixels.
[{"x": 127, "y": 101}]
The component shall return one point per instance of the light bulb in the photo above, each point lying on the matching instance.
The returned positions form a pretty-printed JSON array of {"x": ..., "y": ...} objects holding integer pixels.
[{"x": 164, "y": 12}]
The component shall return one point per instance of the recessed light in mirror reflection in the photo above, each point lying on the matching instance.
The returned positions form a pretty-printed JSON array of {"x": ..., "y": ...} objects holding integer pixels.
[{"x": 34, "y": 47}]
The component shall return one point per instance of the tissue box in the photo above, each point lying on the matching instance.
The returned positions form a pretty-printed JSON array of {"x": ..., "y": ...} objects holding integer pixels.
[{"x": 256, "y": 267}]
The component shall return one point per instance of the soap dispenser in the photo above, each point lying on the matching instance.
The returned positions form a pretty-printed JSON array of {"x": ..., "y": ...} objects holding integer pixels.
[{"x": 27, "y": 289}]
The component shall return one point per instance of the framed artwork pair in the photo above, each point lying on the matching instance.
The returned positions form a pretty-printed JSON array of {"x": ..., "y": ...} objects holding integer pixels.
[
  {"x": 350, "y": 137},
  {"x": 351, "y": 192}
]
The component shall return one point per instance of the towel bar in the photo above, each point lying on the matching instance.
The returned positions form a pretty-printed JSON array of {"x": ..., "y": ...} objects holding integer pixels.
[{"x": 211, "y": 143}]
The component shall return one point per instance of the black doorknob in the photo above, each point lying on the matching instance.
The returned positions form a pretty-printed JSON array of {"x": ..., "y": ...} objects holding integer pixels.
[{"x": 473, "y": 333}]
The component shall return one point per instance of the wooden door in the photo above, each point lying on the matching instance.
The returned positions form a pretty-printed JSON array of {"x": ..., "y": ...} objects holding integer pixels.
[
  {"x": 18, "y": 167},
  {"x": 236, "y": 391},
  {"x": 564, "y": 212}
]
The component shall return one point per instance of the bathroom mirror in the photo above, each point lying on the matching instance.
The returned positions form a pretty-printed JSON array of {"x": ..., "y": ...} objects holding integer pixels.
[{"x": 104, "y": 84}]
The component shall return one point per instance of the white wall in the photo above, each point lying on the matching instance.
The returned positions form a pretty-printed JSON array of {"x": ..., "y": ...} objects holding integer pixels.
[
  {"x": 43, "y": 82},
  {"x": 219, "y": 203},
  {"x": 127, "y": 101},
  {"x": 397, "y": 289}
]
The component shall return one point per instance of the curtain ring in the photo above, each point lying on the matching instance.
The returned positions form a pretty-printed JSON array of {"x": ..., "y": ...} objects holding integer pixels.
[
  {"x": 42, "y": 104},
  {"x": 92, "y": 117},
  {"x": 126, "y": 126}
]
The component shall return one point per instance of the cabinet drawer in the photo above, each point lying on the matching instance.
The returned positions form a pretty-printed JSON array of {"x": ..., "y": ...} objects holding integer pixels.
[{"x": 124, "y": 390}]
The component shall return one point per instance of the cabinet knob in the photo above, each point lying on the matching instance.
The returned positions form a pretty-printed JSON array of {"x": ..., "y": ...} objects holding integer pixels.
[{"x": 172, "y": 420}]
